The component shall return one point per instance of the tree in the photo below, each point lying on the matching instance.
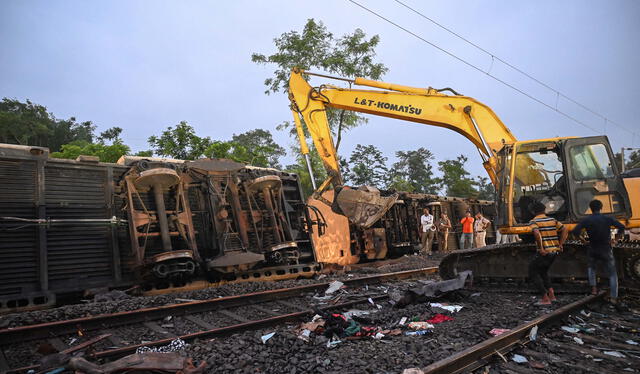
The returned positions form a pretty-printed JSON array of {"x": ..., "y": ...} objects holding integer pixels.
[
  {"x": 106, "y": 153},
  {"x": 30, "y": 124},
  {"x": 367, "y": 166},
  {"x": 455, "y": 178},
  {"x": 316, "y": 48},
  {"x": 261, "y": 148},
  {"x": 112, "y": 134},
  {"x": 414, "y": 169},
  {"x": 486, "y": 189},
  {"x": 180, "y": 142},
  {"x": 634, "y": 160}
]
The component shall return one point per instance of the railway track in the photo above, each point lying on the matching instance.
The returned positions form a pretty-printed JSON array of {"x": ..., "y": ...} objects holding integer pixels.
[
  {"x": 159, "y": 326},
  {"x": 553, "y": 350}
]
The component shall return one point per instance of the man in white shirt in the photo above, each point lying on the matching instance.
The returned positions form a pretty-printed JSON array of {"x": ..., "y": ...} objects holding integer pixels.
[
  {"x": 480, "y": 227},
  {"x": 427, "y": 231}
]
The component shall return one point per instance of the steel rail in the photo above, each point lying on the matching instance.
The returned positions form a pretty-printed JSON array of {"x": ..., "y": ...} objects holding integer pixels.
[
  {"x": 476, "y": 356},
  {"x": 105, "y": 321},
  {"x": 220, "y": 331}
]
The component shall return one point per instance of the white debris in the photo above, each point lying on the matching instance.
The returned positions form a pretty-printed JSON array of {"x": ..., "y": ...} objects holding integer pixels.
[
  {"x": 578, "y": 340},
  {"x": 614, "y": 354},
  {"x": 572, "y": 330},
  {"x": 519, "y": 359},
  {"x": 631, "y": 342},
  {"x": 378, "y": 336},
  {"x": 264, "y": 338},
  {"x": 403, "y": 320},
  {"x": 450, "y": 308},
  {"x": 333, "y": 287},
  {"x": 533, "y": 334},
  {"x": 355, "y": 312}
]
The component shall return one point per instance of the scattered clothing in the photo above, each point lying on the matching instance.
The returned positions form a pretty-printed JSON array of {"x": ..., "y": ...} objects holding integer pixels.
[{"x": 439, "y": 318}]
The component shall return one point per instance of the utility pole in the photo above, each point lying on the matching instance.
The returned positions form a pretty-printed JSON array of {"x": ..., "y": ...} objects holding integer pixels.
[{"x": 622, "y": 161}]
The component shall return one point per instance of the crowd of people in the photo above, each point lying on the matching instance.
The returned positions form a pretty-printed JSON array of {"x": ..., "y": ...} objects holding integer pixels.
[{"x": 474, "y": 231}]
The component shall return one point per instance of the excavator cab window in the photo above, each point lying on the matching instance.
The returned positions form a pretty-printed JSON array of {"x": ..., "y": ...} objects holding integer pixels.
[
  {"x": 592, "y": 174},
  {"x": 539, "y": 176}
]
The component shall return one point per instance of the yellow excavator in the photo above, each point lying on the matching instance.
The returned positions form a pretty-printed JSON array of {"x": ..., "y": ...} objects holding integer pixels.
[{"x": 565, "y": 174}]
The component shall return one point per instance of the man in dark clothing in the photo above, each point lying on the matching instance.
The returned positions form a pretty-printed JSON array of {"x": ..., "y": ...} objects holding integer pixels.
[
  {"x": 550, "y": 236},
  {"x": 598, "y": 228}
]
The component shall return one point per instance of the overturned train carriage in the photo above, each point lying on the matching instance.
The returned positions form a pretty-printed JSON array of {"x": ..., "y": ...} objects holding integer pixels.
[
  {"x": 397, "y": 231},
  {"x": 68, "y": 226}
]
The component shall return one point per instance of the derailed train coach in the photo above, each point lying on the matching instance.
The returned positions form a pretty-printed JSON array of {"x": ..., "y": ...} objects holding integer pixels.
[
  {"x": 397, "y": 232},
  {"x": 67, "y": 226}
]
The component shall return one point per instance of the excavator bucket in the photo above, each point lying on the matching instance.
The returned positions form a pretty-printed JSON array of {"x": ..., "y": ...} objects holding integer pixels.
[{"x": 364, "y": 206}]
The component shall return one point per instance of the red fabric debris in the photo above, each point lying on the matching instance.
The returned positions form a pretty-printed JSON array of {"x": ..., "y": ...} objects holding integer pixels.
[{"x": 439, "y": 318}]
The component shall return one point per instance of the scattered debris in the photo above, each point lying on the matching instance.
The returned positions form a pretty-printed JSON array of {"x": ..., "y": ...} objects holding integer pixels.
[
  {"x": 631, "y": 342},
  {"x": 419, "y": 332},
  {"x": 519, "y": 359},
  {"x": 533, "y": 334},
  {"x": 449, "y": 308},
  {"x": 264, "y": 338},
  {"x": 496, "y": 332},
  {"x": 403, "y": 320},
  {"x": 615, "y": 354},
  {"x": 572, "y": 330},
  {"x": 439, "y": 318},
  {"x": 151, "y": 361},
  {"x": 333, "y": 287},
  {"x": 578, "y": 340},
  {"x": 433, "y": 290},
  {"x": 420, "y": 325}
]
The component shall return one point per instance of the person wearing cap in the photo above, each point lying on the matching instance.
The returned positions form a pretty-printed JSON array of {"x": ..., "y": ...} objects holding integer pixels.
[{"x": 480, "y": 226}]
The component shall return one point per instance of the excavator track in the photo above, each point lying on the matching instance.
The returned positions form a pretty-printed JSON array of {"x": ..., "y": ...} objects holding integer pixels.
[{"x": 510, "y": 261}]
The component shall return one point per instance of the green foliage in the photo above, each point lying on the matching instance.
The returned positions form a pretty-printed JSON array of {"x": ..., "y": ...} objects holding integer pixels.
[
  {"x": 486, "y": 190},
  {"x": 456, "y": 179},
  {"x": 351, "y": 55},
  {"x": 147, "y": 153},
  {"x": 414, "y": 169},
  {"x": 30, "y": 124},
  {"x": 367, "y": 166},
  {"x": 260, "y": 148},
  {"x": 112, "y": 134},
  {"x": 106, "y": 153},
  {"x": 180, "y": 142},
  {"x": 398, "y": 183},
  {"x": 634, "y": 160}
]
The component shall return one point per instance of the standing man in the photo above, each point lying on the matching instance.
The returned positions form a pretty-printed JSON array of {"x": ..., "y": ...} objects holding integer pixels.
[
  {"x": 550, "y": 236},
  {"x": 444, "y": 224},
  {"x": 598, "y": 227},
  {"x": 480, "y": 227},
  {"x": 426, "y": 221},
  {"x": 466, "y": 240}
]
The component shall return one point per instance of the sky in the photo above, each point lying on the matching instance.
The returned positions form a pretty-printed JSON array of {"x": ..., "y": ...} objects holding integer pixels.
[{"x": 147, "y": 65}]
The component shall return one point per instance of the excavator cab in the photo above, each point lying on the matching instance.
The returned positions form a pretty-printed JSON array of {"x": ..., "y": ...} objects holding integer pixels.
[{"x": 565, "y": 175}]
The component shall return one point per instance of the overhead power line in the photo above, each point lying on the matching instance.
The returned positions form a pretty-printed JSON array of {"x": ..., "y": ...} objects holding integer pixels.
[
  {"x": 488, "y": 73},
  {"x": 543, "y": 84}
]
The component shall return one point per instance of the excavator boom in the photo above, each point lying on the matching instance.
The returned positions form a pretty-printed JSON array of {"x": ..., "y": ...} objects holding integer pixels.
[{"x": 466, "y": 116}]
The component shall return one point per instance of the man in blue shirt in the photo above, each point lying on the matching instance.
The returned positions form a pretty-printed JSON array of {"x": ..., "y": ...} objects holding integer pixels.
[{"x": 598, "y": 228}]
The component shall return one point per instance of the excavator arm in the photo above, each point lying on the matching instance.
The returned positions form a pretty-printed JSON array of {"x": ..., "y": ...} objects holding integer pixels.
[{"x": 464, "y": 115}]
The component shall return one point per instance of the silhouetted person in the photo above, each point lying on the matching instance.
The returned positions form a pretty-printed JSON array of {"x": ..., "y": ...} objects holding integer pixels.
[
  {"x": 550, "y": 235},
  {"x": 598, "y": 228}
]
